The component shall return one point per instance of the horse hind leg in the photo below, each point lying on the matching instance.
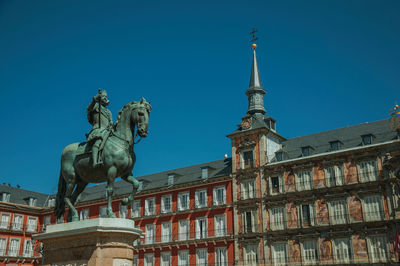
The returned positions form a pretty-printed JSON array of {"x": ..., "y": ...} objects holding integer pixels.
[
  {"x": 135, "y": 184},
  {"x": 80, "y": 186},
  {"x": 72, "y": 213},
  {"x": 111, "y": 174}
]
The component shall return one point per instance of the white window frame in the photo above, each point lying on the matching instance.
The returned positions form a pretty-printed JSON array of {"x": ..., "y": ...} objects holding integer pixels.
[
  {"x": 373, "y": 211},
  {"x": 217, "y": 201},
  {"x": 30, "y": 226},
  {"x": 254, "y": 219},
  {"x": 202, "y": 252},
  {"x": 150, "y": 233},
  {"x": 251, "y": 255},
  {"x": 3, "y": 223},
  {"x": 342, "y": 250},
  {"x": 165, "y": 258},
  {"x": 147, "y": 205},
  {"x": 180, "y": 195},
  {"x": 84, "y": 214},
  {"x": 220, "y": 229},
  {"x": 123, "y": 211},
  {"x": 278, "y": 218},
  {"x": 183, "y": 257},
  {"x": 164, "y": 208},
  {"x": 204, "y": 173},
  {"x": 10, "y": 248},
  {"x": 306, "y": 254},
  {"x": 277, "y": 258},
  {"x": 382, "y": 255},
  {"x": 334, "y": 175},
  {"x": 304, "y": 179},
  {"x": 32, "y": 201},
  {"x": 135, "y": 261},
  {"x": 148, "y": 257},
  {"x": 183, "y": 236},
  {"x": 280, "y": 184},
  {"x": 103, "y": 211},
  {"x": 28, "y": 248},
  {"x": 248, "y": 189},
  {"x": 221, "y": 256},
  {"x": 46, "y": 222},
  {"x": 311, "y": 207},
  {"x": 136, "y": 208},
  {"x": 338, "y": 211},
  {"x": 5, "y": 197},
  {"x": 18, "y": 226},
  {"x": 166, "y": 232},
  {"x": 198, "y": 204},
  {"x": 201, "y": 233},
  {"x": 367, "y": 170},
  {"x": 3, "y": 248},
  {"x": 242, "y": 164}
]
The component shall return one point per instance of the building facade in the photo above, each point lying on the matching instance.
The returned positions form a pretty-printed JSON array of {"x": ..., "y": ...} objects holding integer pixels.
[{"x": 325, "y": 198}]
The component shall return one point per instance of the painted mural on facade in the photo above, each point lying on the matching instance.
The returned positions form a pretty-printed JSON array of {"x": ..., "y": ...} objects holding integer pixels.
[
  {"x": 322, "y": 212},
  {"x": 318, "y": 176},
  {"x": 294, "y": 251},
  {"x": 289, "y": 181},
  {"x": 360, "y": 248},
  {"x": 325, "y": 248},
  {"x": 355, "y": 211},
  {"x": 291, "y": 215}
]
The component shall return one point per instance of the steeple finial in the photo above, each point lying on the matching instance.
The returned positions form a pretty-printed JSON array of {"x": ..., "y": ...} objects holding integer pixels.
[{"x": 255, "y": 92}]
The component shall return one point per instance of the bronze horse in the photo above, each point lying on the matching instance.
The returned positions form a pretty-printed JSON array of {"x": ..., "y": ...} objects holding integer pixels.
[{"x": 118, "y": 161}]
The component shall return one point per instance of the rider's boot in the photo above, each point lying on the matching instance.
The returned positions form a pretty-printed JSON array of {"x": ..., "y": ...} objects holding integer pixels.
[{"x": 95, "y": 153}]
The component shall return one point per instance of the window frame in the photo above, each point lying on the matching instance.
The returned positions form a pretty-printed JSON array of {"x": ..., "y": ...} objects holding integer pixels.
[
  {"x": 215, "y": 195},
  {"x": 163, "y": 209},
  {"x": 187, "y": 194},
  {"x": 147, "y": 205},
  {"x": 197, "y": 200}
]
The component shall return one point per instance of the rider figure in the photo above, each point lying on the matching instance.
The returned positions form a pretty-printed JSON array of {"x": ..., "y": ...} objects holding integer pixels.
[{"x": 101, "y": 119}]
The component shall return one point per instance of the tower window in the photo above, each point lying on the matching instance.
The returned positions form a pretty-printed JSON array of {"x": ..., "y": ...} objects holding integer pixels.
[
  {"x": 366, "y": 139},
  {"x": 248, "y": 158}
]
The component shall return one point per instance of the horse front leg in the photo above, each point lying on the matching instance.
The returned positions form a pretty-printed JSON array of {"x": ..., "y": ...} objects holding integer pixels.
[
  {"x": 112, "y": 173},
  {"x": 135, "y": 184}
]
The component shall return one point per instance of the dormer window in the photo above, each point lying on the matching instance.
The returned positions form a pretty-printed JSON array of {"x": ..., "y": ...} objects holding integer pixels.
[
  {"x": 334, "y": 145},
  {"x": 279, "y": 156},
  {"x": 204, "y": 173},
  {"x": 51, "y": 202},
  {"x": 32, "y": 201},
  {"x": 5, "y": 197},
  {"x": 171, "y": 179},
  {"x": 305, "y": 151},
  {"x": 366, "y": 139}
]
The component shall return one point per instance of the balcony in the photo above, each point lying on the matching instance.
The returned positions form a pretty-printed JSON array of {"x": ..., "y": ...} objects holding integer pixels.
[
  {"x": 18, "y": 227},
  {"x": 196, "y": 236},
  {"x": 249, "y": 195},
  {"x": 12, "y": 254}
]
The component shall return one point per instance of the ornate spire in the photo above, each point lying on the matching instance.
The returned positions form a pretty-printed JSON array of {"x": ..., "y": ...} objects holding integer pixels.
[{"x": 255, "y": 92}]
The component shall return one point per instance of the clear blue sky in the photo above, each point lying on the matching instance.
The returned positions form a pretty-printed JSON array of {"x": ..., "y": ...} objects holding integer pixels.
[{"x": 324, "y": 64}]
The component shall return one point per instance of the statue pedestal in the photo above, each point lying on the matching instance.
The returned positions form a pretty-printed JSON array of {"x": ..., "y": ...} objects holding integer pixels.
[{"x": 102, "y": 241}]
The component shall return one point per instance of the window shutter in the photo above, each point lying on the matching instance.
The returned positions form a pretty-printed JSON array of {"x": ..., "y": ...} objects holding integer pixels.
[
  {"x": 214, "y": 196},
  {"x": 312, "y": 214},
  {"x": 197, "y": 199},
  {"x": 224, "y": 202},
  {"x": 197, "y": 228}
]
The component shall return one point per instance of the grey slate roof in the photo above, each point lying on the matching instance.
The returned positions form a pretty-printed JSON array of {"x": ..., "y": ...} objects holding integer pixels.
[
  {"x": 20, "y": 196},
  {"x": 160, "y": 180},
  {"x": 349, "y": 137}
]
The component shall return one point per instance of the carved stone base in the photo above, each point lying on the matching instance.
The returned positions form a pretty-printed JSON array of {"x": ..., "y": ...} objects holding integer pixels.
[{"x": 102, "y": 241}]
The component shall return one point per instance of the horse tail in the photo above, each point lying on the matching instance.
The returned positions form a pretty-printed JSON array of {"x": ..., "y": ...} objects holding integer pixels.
[{"x": 60, "y": 203}]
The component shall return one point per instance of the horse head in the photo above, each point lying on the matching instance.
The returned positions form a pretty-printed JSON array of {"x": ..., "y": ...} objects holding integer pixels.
[{"x": 140, "y": 117}]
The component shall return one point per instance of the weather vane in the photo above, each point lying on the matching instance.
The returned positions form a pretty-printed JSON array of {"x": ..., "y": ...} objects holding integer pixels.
[{"x": 254, "y": 38}]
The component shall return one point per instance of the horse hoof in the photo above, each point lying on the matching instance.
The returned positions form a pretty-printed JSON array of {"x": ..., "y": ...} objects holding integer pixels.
[
  {"x": 125, "y": 201},
  {"x": 75, "y": 219}
]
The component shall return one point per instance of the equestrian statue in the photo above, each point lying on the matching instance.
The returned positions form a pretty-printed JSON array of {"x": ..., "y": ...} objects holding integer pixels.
[{"x": 106, "y": 155}]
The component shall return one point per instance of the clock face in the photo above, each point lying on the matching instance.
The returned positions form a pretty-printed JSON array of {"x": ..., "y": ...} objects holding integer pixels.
[{"x": 246, "y": 123}]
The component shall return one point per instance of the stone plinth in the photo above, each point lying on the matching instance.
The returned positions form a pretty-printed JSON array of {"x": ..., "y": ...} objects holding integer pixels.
[{"x": 102, "y": 241}]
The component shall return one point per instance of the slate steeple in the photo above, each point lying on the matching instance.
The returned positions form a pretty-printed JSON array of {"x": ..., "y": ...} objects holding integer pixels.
[{"x": 255, "y": 92}]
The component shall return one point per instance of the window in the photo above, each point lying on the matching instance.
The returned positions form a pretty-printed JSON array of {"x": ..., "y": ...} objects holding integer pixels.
[
  {"x": 305, "y": 151},
  {"x": 171, "y": 180},
  {"x": 84, "y": 214},
  {"x": 135, "y": 260},
  {"x": 202, "y": 256},
  {"x": 303, "y": 180},
  {"x": 17, "y": 224},
  {"x": 3, "y": 244},
  {"x": 5, "y": 197},
  {"x": 103, "y": 212},
  {"x": 150, "y": 206},
  {"x": 342, "y": 251},
  {"x": 51, "y": 202},
  {"x": 183, "y": 201},
  {"x": 13, "y": 248},
  {"x": 338, "y": 212},
  {"x": 366, "y": 139},
  {"x": 183, "y": 257},
  {"x": 249, "y": 219},
  {"x": 5, "y": 221},
  {"x": 183, "y": 230},
  {"x": 278, "y": 218},
  {"x": 310, "y": 253},
  {"x": 135, "y": 211},
  {"x": 166, "y": 232},
  {"x": 149, "y": 234},
  {"x": 166, "y": 205},
  {"x": 279, "y": 256},
  {"x": 32, "y": 221},
  {"x": 367, "y": 171},
  {"x": 220, "y": 256},
  {"x": 334, "y": 145},
  {"x": 123, "y": 211},
  {"x": 28, "y": 248},
  {"x": 279, "y": 156},
  {"x": 204, "y": 173},
  {"x": 373, "y": 208},
  {"x": 219, "y": 195},
  {"x": 251, "y": 257},
  {"x": 334, "y": 175},
  {"x": 377, "y": 246},
  {"x": 32, "y": 201},
  {"x": 276, "y": 185},
  {"x": 165, "y": 258},
  {"x": 201, "y": 227},
  {"x": 220, "y": 225},
  {"x": 248, "y": 159},
  {"x": 307, "y": 214},
  {"x": 46, "y": 221},
  {"x": 248, "y": 190},
  {"x": 149, "y": 259},
  {"x": 201, "y": 198}
]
